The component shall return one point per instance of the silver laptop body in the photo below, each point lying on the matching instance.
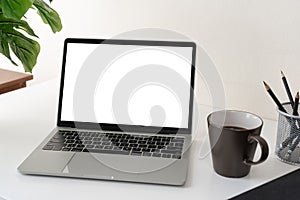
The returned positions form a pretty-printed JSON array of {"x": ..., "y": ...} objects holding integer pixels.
[{"x": 124, "y": 113}]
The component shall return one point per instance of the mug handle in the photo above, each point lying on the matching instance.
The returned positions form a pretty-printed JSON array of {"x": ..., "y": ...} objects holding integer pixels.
[{"x": 264, "y": 149}]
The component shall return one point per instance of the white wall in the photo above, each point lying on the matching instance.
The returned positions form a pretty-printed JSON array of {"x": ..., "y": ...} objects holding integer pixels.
[{"x": 249, "y": 40}]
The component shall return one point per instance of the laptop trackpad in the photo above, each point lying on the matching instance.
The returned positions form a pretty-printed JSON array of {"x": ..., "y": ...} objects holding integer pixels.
[
  {"x": 127, "y": 168},
  {"x": 85, "y": 164}
]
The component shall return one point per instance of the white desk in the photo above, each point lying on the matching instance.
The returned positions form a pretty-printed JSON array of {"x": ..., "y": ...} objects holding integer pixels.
[{"x": 29, "y": 114}]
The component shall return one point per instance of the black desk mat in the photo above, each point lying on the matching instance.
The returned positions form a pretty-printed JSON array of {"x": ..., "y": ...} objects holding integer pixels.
[{"x": 286, "y": 187}]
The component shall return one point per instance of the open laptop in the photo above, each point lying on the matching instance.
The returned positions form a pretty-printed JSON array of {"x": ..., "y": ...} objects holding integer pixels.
[{"x": 124, "y": 113}]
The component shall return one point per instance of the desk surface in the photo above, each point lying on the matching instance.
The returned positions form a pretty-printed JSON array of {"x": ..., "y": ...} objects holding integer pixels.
[{"x": 27, "y": 117}]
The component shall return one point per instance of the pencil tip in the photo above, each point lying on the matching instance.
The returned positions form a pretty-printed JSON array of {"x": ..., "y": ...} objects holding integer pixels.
[
  {"x": 282, "y": 74},
  {"x": 266, "y": 85},
  {"x": 297, "y": 95}
]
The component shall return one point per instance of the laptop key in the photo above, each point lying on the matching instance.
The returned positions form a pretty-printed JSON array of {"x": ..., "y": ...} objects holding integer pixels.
[
  {"x": 71, "y": 145},
  {"x": 96, "y": 142},
  {"x": 135, "y": 153},
  {"x": 57, "y": 148},
  {"x": 136, "y": 149},
  {"x": 115, "y": 140},
  {"x": 145, "y": 150},
  {"x": 147, "y": 154},
  {"x": 178, "y": 144},
  {"x": 166, "y": 155},
  {"x": 105, "y": 151},
  {"x": 124, "y": 144},
  {"x": 79, "y": 146},
  {"x": 166, "y": 139},
  {"x": 88, "y": 138},
  {"x": 70, "y": 137},
  {"x": 93, "y": 135},
  {"x": 176, "y": 156},
  {"x": 151, "y": 143},
  {"x": 70, "y": 141},
  {"x": 127, "y": 148},
  {"x": 142, "y": 146},
  {"x": 143, "y": 142},
  {"x": 105, "y": 139},
  {"x": 56, "y": 140},
  {"x": 133, "y": 145},
  {"x": 58, "y": 136},
  {"x": 156, "y": 155},
  {"x": 152, "y": 146},
  {"x": 99, "y": 146},
  {"x": 106, "y": 143},
  {"x": 116, "y": 148},
  {"x": 174, "y": 148},
  {"x": 89, "y": 146},
  {"x": 181, "y": 140},
  {"x": 66, "y": 149},
  {"x": 67, "y": 134},
  {"x": 170, "y": 151},
  {"x": 48, "y": 147},
  {"x": 77, "y": 149},
  {"x": 87, "y": 142}
]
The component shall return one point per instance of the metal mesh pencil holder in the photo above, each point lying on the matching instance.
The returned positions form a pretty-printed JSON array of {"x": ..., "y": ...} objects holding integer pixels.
[{"x": 288, "y": 136}]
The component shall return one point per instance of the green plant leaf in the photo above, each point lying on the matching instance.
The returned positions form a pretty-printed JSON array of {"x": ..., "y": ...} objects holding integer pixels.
[
  {"x": 16, "y": 23},
  {"x": 4, "y": 49},
  {"x": 26, "y": 49},
  {"x": 48, "y": 15},
  {"x": 15, "y": 8}
]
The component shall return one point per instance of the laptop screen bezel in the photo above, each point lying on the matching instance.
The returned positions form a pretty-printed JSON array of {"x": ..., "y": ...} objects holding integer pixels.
[{"x": 125, "y": 127}]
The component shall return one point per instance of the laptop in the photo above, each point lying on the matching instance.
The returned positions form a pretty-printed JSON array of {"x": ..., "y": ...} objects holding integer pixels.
[{"x": 124, "y": 113}]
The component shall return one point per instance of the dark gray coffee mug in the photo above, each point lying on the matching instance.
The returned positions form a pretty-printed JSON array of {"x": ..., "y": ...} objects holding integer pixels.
[{"x": 233, "y": 138}]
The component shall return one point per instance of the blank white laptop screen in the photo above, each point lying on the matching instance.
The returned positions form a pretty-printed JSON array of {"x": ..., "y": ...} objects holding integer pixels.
[{"x": 129, "y": 84}]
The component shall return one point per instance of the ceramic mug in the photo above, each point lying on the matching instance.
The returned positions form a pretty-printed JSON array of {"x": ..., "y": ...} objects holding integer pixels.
[{"x": 234, "y": 136}]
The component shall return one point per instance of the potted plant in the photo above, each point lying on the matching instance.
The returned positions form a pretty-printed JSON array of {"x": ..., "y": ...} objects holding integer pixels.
[{"x": 17, "y": 36}]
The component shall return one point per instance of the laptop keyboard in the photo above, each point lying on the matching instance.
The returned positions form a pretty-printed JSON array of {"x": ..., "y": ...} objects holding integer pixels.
[{"x": 117, "y": 143}]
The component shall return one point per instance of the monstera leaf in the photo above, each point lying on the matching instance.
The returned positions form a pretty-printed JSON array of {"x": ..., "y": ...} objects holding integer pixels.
[
  {"x": 24, "y": 48},
  {"x": 13, "y": 26},
  {"x": 15, "y": 8},
  {"x": 48, "y": 15}
]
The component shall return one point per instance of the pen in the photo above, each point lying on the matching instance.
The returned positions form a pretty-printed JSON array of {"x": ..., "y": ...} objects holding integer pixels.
[{"x": 287, "y": 88}]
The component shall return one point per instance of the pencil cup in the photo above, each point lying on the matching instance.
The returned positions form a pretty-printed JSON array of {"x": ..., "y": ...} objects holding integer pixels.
[{"x": 288, "y": 136}]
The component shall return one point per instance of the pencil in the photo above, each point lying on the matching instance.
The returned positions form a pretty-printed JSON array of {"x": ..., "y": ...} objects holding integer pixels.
[
  {"x": 287, "y": 89},
  {"x": 280, "y": 107},
  {"x": 293, "y": 147},
  {"x": 295, "y": 108}
]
